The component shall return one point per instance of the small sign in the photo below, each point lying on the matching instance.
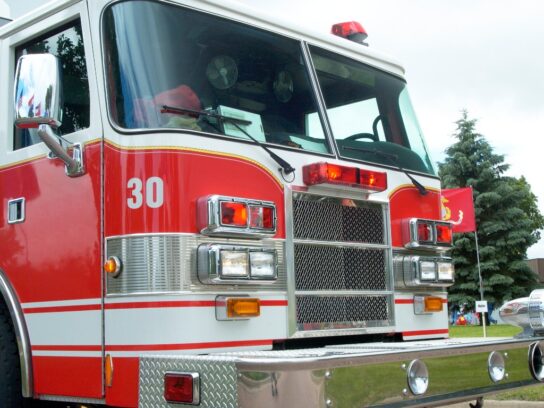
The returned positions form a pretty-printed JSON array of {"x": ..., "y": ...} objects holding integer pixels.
[{"x": 481, "y": 306}]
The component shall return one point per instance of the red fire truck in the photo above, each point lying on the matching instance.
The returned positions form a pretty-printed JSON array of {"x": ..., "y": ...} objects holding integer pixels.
[{"x": 203, "y": 205}]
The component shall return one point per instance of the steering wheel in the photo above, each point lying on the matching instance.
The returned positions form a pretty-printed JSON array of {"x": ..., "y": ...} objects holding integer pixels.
[{"x": 357, "y": 136}]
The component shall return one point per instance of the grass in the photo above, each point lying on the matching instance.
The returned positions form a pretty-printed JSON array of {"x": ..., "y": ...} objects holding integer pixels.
[
  {"x": 501, "y": 330},
  {"x": 496, "y": 330}
]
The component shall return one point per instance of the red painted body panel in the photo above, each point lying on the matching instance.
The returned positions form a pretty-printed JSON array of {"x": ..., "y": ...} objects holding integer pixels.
[
  {"x": 124, "y": 390},
  {"x": 55, "y": 254},
  {"x": 187, "y": 175},
  {"x": 61, "y": 212},
  {"x": 406, "y": 203},
  {"x": 69, "y": 376}
]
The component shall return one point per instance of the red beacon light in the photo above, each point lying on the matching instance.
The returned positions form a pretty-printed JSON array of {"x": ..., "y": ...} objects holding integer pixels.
[
  {"x": 351, "y": 30},
  {"x": 327, "y": 173}
]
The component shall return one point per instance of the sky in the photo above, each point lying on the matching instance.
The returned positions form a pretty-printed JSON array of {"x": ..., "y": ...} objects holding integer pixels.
[{"x": 484, "y": 56}]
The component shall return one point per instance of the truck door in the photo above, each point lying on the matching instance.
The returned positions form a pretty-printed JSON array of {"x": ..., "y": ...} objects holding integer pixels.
[{"x": 50, "y": 223}]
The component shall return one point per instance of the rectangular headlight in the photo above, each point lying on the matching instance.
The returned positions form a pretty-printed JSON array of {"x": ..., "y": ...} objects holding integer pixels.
[
  {"x": 446, "y": 271},
  {"x": 262, "y": 264},
  {"x": 427, "y": 270},
  {"x": 233, "y": 264}
]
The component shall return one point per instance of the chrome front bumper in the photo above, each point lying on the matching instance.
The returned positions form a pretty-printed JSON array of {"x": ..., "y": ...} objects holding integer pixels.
[{"x": 354, "y": 375}]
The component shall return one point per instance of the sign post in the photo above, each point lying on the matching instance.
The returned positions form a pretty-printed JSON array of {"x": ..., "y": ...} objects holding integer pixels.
[{"x": 481, "y": 307}]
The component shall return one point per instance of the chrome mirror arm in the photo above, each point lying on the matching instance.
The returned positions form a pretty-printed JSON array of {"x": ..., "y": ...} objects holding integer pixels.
[{"x": 74, "y": 164}]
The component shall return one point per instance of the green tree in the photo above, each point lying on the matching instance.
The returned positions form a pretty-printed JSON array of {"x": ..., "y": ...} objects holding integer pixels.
[{"x": 507, "y": 219}]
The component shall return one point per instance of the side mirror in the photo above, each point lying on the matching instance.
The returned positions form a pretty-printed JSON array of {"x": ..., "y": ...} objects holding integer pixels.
[{"x": 38, "y": 105}]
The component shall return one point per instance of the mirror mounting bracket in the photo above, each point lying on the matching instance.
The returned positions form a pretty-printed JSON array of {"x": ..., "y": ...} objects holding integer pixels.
[{"x": 74, "y": 163}]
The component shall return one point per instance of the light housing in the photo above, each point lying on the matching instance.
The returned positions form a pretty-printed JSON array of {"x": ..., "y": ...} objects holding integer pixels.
[
  {"x": 418, "y": 377},
  {"x": 228, "y": 264},
  {"x": 496, "y": 366},
  {"x": 536, "y": 360},
  {"x": 182, "y": 388},
  {"x": 426, "y": 304},
  {"x": 232, "y": 216},
  {"x": 334, "y": 174},
  {"x": 419, "y": 271},
  {"x": 426, "y": 234},
  {"x": 352, "y": 30}
]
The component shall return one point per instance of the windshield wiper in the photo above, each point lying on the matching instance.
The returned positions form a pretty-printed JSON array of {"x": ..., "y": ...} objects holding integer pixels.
[
  {"x": 286, "y": 167},
  {"x": 395, "y": 160}
]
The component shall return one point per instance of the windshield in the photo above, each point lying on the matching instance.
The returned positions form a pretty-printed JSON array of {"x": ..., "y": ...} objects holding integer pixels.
[
  {"x": 172, "y": 67},
  {"x": 370, "y": 113}
]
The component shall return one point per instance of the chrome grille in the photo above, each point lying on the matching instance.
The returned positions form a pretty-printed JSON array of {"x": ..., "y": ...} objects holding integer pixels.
[
  {"x": 337, "y": 268},
  {"x": 326, "y": 219},
  {"x": 341, "y": 261},
  {"x": 338, "y": 309}
]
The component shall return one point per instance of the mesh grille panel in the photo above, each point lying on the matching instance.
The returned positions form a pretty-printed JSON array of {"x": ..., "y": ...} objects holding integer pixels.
[
  {"x": 340, "y": 286},
  {"x": 339, "y": 309},
  {"x": 327, "y": 219},
  {"x": 334, "y": 268}
]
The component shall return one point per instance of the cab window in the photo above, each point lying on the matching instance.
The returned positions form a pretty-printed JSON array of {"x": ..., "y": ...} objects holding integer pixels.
[{"x": 66, "y": 43}]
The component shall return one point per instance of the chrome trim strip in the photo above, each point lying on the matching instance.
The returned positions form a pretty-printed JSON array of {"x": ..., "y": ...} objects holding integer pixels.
[
  {"x": 396, "y": 352},
  {"x": 21, "y": 334},
  {"x": 77, "y": 400},
  {"x": 344, "y": 292},
  {"x": 341, "y": 244},
  {"x": 290, "y": 261}
]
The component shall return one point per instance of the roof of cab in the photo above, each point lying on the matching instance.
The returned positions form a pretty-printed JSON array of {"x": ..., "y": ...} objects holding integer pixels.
[{"x": 243, "y": 13}]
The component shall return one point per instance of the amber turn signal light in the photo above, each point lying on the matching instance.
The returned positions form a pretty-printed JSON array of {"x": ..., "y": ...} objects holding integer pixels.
[
  {"x": 113, "y": 266},
  {"x": 243, "y": 307},
  {"x": 433, "y": 304}
]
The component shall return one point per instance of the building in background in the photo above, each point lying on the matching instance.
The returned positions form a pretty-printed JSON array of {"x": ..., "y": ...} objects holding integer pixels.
[{"x": 537, "y": 266}]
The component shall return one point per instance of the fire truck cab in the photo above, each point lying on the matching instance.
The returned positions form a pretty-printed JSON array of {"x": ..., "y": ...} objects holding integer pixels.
[{"x": 204, "y": 205}]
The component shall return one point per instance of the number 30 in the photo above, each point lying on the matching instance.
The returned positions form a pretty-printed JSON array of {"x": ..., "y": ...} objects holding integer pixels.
[{"x": 154, "y": 192}]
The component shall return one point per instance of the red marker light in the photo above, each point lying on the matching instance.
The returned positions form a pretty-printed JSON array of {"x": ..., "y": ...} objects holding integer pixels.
[
  {"x": 233, "y": 213},
  {"x": 182, "y": 388},
  {"x": 348, "y": 28},
  {"x": 352, "y": 30},
  {"x": 261, "y": 217},
  {"x": 424, "y": 232},
  {"x": 327, "y": 173},
  {"x": 444, "y": 233},
  {"x": 268, "y": 217}
]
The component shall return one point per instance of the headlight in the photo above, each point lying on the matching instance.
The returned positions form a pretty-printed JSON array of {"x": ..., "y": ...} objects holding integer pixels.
[
  {"x": 446, "y": 271},
  {"x": 226, "y": 264},
  {"x": 425, "y": 271},
  {"x": 233, "y": 264},
  {"x": 262, "y": 264}
]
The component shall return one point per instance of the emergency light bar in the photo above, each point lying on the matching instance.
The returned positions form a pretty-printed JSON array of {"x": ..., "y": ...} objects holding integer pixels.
[
  {"x": 351, "y": 30},
  {"x": 328, "y": 173}
]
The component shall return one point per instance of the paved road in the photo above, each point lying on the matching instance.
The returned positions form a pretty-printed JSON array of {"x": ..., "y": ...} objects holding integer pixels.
[{"x": 502, "y": 404}]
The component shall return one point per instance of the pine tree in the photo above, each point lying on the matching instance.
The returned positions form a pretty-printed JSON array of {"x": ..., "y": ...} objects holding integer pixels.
[{"x": 507, "y": 219}]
